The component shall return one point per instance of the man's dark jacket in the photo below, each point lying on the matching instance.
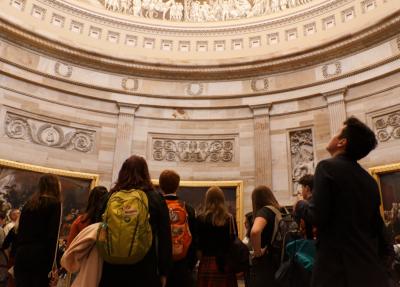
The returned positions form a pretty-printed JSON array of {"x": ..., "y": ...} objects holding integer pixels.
[{"x": 351, "y": 243}]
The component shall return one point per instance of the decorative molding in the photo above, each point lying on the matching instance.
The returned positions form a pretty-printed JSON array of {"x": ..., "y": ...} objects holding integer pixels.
[
  {"x": 57, "y": 20},
  {"x": 38, "y": 12},
  {"x": 301, "y": 155},
  {"x": 332, "y": 69},
  {"x": 387, "y": 126},
  {"x": 316, "y": 11},
  {"x": 195, "y": 89},
  {"x": 348, "y": 14},
  {"x": 48, "y": 134},
  {"x": 130, "y": 84},
  {"x": 260, "y": 84},
  {"x": 63, "y": 70},
  {"x": 368, "y": 5},
  {"x": 246, "y": 69},
  {"x": 180, "y": 114},
  {"x": 193, "y": 150},
  {"x": 18, "y": 4}
]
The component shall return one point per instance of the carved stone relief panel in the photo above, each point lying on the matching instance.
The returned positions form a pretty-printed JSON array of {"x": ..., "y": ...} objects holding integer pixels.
[
  {"x": 195, "y": 11},
  {"x": 387, "y": 127},
  {"x": 48, "y": 134},
  {"x": 196, "y": 149},
  {"x": 301, "y": 155}
]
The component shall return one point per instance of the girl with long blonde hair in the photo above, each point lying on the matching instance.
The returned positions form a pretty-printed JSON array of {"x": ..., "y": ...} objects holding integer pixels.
[{"x": 214, "y": 233}]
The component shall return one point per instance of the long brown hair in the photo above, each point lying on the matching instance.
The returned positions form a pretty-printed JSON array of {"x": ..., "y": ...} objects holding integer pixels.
[
  {"x": 49, "y": 188},
  {"x": 96, "y": 204},
  {"x": 214, "y": 207},
  {"x": 134, "y": 174},
  {"x": 262, "y": 196}
]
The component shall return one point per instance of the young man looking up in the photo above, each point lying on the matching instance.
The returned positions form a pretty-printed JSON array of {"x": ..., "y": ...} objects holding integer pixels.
[
  {"x": 183, "y": 229},
  {"x": 306, "y": 183},
  {"x": 351, "y": 242}
]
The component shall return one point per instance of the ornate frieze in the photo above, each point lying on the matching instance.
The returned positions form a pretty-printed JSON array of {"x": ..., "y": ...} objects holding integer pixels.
[
  {"x": 48, "y": 134},
  {"x": 387, "y": 127},
  {"x": 193, "y": 150},
  {"x": 195, "y": 11},
  {"x": 301, "y": 155}
]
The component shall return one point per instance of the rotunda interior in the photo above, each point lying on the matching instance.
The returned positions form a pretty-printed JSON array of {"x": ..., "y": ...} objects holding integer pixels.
[{"x": 236, "y": 93}]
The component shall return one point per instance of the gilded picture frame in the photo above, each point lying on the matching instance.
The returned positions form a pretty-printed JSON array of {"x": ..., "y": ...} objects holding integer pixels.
[
  {"x": 388, "y": 179},
  {"x": 193, "y": 192},
  {"x": 18, "y": 181}
]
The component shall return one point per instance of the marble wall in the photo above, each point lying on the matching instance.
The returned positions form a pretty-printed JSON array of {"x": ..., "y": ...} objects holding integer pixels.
[{"x": 269, "y": 137}]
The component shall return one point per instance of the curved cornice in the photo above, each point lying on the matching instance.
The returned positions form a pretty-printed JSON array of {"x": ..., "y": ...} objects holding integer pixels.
[
  {"x": 385, "y": 29},
  {"x": 197, "y": 29}
]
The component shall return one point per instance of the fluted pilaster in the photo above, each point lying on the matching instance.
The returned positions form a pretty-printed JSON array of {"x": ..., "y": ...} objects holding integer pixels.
[
  {"x": 123, "y": 142},
  {"x": 337, "y": 109},
  {"x": 262, "y": 145}
]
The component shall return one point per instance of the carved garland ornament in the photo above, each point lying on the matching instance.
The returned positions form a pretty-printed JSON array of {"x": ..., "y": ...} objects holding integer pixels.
[
  {"x": 331, "y": 70},
  {"x": 301, "y": 155},
  {"x": 261, "y": 84},
  {"x": 387, "y": 127},
  {"x": 193, "y": 150},
  {"x": 47, "y": 134}
]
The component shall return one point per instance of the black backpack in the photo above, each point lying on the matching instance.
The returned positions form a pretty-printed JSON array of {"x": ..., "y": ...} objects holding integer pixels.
[
  {"x": 285, "y": 230},
  {"x": 238, "y": 254}
]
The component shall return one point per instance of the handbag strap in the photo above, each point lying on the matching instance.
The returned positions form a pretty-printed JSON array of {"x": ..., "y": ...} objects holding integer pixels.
[
  {"x": 232, "y": 227},
  {"x": 58, "y": 236}
]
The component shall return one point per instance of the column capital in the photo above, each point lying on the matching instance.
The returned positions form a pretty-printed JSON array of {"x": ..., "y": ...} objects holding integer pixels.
[
  {"x": 127, "y": 109},
  {"x": 260, "y": 110},
  {"x": 335, "y": 95}
]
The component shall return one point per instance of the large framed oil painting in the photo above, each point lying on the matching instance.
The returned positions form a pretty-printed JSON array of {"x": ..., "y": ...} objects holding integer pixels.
[
  {"x": 194, "y": 192},
  {"x": 18, "y": 181},
  {"x": 388, "y": 178}
]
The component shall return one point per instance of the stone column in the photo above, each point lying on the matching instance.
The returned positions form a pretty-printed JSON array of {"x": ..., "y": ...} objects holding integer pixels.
[
  {"x": 123, "y": 142},
  {"x": 337, "y": 109},
  {"x": 262, "y": 145}
]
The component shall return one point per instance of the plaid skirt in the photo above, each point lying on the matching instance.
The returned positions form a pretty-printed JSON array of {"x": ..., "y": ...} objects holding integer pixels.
[{"x": 209, "y": 276}]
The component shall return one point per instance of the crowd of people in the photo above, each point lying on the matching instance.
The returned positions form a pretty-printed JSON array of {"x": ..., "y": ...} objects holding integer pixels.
[{"x": 134, "y": 235}]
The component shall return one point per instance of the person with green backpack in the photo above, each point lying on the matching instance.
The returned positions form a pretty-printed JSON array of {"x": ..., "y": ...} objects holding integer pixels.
[{"x": 134, "y": 238}]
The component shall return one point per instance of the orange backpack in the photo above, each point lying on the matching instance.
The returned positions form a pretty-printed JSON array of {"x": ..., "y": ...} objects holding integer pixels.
[{"x": 180, "y": 232}]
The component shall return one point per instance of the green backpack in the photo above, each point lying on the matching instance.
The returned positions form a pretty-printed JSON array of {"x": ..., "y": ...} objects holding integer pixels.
[{"x": 124, "y": 236}]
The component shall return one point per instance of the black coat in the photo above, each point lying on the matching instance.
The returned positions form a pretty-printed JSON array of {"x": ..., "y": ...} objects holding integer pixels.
[
  {"x": 36, "y": 243},
  {"x": 351, "y": 238}
]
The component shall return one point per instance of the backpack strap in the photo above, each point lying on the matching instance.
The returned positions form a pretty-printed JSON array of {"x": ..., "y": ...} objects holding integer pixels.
[
  {"x": 278, "y": 218},
  {"x": 54, "y": 266},
  {"x": 232, "y": 227}
]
